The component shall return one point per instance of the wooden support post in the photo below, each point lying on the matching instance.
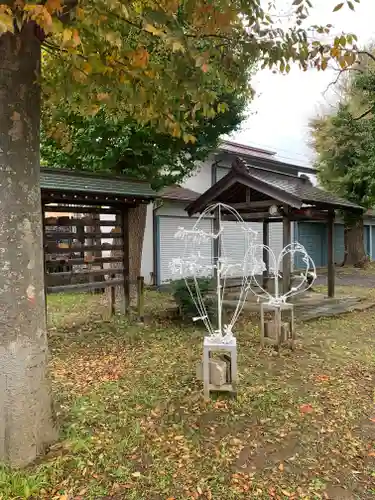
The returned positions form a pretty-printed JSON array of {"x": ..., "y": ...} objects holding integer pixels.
[
  {"x": 287, "y": 239},
  {"x": 112, "y": 298},
  {"x": 331, "y": 262},
  {"x": 266, "y": 255},
  {"x": 126, "y": 259},
  {"x": 140, "y": 297},
  {"x": 81, "y": 238}
]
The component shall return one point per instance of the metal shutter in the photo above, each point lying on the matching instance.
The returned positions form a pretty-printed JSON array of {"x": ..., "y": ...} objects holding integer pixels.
[
  {"x": 339, "y": 245},
  {"x": 172, "y": 248},
  {"x": 312, "y": 235}
]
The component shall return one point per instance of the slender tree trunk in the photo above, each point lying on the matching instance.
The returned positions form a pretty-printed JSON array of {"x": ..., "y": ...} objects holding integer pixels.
[
  {"x": 26, "y": 423},
  {"x": 137, "y": 225},
  {"x": 355, "y": 254}
]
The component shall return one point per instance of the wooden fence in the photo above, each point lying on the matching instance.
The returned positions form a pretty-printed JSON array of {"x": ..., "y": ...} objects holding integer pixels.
[{"x": 86, "y": 249}]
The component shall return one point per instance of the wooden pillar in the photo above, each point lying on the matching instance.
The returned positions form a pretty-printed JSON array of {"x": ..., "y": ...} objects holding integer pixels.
[
  {"x": 287, "y": 239},
  {"x": 266, "y": 255},
  {"x": 331, "y": 252},
  {"x": 81, "y": 237},
  {"x": 126, "y": 258}
]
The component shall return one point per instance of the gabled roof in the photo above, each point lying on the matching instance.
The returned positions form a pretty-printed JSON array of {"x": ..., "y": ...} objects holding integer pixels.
[
  {"x": 244, "y": 149},
  {"x": 68, "y": 181},
  {"x": 178, "y": 193},
  {"x": 284, "y": 188}
]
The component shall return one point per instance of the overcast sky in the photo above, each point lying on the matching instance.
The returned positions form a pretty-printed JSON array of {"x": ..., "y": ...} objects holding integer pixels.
[{"x": 284, "y": 103}]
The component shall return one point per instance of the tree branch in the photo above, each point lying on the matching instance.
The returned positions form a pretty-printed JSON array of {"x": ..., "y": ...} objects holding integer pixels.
[
  {"x": 340, "y": 72},
  {"x": 365, "y": 53},
  {"x": 362, "y": 115}
]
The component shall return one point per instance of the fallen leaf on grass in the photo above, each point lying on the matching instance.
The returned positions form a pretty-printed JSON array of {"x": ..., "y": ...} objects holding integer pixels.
[
  {"x": 136, "y": 474},
  {"x": 281, "y": 467},
  {"x": 322, "y": 378},
  {"x": 306, "y": 408}
]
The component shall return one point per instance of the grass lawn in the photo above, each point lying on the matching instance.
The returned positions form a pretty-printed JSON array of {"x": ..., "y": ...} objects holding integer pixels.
[{"x": 134, "y": 424}]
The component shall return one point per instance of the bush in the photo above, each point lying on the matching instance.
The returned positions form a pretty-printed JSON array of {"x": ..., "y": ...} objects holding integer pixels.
[{"x": 184, "y": 300}]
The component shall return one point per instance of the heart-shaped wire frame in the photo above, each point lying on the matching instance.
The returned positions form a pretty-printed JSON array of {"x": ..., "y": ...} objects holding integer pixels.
[
  {"x": 288, "y": 252},
  {"x": 188, "y": 267}
]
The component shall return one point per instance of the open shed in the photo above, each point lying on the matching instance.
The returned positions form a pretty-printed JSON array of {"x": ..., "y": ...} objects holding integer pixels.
[
  {"x": 87, "y": 222},
  {"x": 262, "y": 195}
]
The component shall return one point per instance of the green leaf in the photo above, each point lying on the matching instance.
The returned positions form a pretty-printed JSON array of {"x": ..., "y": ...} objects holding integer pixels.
[
  {"x": 338, "y": 7},
  {"x": 350, "y": 5}
]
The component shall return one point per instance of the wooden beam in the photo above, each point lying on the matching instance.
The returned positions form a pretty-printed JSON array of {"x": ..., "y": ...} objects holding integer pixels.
[
  {"x": 84, "y": 221},
  {"x": 81, "y": 209},
  {"x": 126, "y": 258},
  {"x": 331, "y": 253},
  {"x": 51, "y": 249},
  {"x": 81, "y": 287},
  {"x": 253, "y": 217},
  {"x": 287, "y": 239},
  {"x": 266, "y": 260},
  {"x": 79, "y": 235},
  {"x": 78, "y": 262},
  {"x": 53, "y": 278},
  {"x": 254, "y": 204}
]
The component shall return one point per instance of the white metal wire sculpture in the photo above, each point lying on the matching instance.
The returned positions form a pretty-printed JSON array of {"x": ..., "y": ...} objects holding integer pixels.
[
  {"x": 307, "y": 274},
  {"x": 194, "y": 265}
]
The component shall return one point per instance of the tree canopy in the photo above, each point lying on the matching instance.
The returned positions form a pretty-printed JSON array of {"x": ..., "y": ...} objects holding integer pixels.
[
  {"x": 344, "y": 141},
  {"x": 160, "y": 61},
  {"x": 103, "y": 143}
]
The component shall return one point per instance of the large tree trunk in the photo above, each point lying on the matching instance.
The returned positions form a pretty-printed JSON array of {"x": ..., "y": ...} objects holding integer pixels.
[
  {"x": 26, "y": 423},
  {"x": 355, "y": 254}
]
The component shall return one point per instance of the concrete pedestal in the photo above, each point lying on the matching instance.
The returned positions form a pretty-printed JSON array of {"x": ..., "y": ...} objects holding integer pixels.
[{"x": 210, "y": 347}]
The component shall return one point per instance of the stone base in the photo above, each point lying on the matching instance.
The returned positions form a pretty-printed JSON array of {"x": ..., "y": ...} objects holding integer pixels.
[
  {"x": 270, "y": 330},
  {"x": 218, "y": 371}
]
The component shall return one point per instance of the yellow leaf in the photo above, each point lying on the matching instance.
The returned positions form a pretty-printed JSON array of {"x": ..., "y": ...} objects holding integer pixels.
[
  {"x": 54, "y": 6},
  {"x": 136, "y": 474},
  {"x": 102, "y": 96},
  {"x": 6, "y": 19},
  {"x": 281, "y": 467},
  {"x": 152, "y": 29},
  {"x": 67, "y": 35},
  {"x": 139, "y": 58},
  {"x": 76, "y": 38},
  {"x": 87, "y": 68},
  {"x": 80, "y": 13},
  {"x": 177, "y": 46}
]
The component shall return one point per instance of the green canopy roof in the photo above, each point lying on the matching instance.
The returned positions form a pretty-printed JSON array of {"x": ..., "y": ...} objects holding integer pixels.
[{"x": 75, "y": 181}]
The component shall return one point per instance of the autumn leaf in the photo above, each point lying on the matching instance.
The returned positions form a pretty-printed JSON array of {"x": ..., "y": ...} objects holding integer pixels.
[
  {"x": 338, "y": 7},
  {"x": 306, "y": 408},
  {"x": 54, "y": 6}
]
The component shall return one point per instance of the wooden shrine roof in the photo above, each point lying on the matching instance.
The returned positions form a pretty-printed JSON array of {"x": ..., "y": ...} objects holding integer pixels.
[{"x": 264, "y": 184}]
